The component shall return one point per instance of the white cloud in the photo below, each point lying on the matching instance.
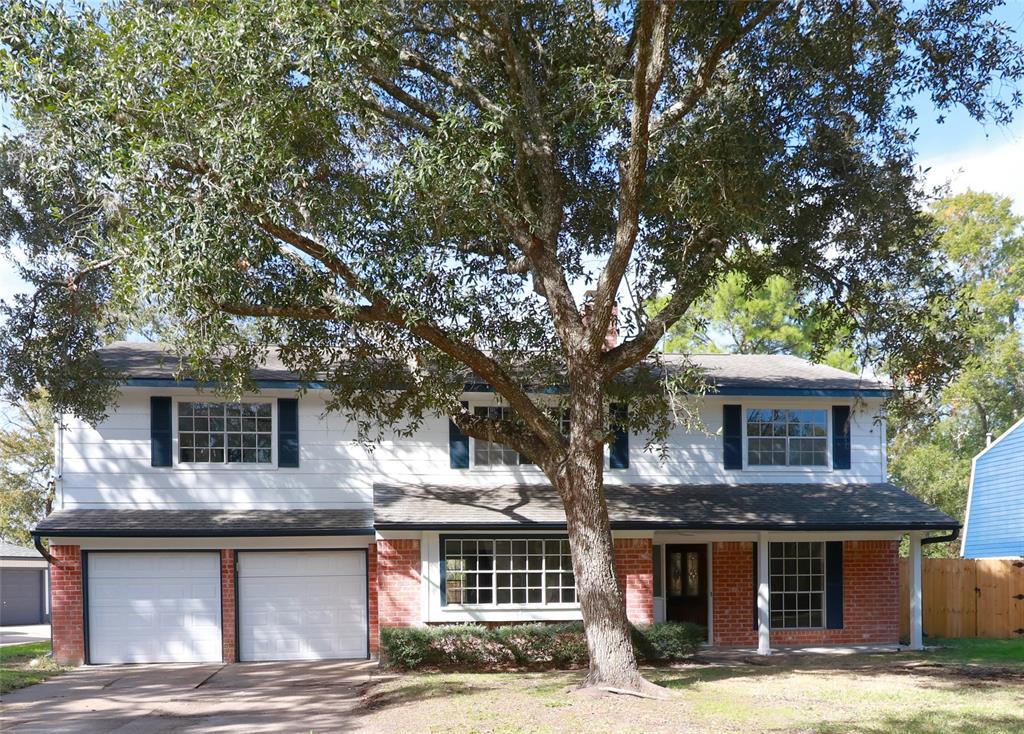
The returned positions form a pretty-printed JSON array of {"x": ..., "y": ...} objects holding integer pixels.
[{"x": 997, "y": 168}]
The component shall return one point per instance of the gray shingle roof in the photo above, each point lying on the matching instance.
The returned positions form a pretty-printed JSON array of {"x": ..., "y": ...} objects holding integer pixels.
[
  {"x": 679, "y": 506},
  {"x": 204, "y": 523},
  {"x": 725, "y": 372},
  {"x": 10, "y": 550}
]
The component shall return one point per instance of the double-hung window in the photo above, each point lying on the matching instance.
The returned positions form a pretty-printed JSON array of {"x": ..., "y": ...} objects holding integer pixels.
[
  {"x": 503, "y": 571},
  {"x": 778, "y": 437},
  {"x": 797, "y": 582},
  {"x": 225, "y": 433},
  {"x": 492, "y": 453}
]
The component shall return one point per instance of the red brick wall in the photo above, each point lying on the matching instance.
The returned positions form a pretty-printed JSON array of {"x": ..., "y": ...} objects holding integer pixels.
[
  {"x": 732, "y": 583},
  {"x": 371, "y": 602},
  {"x": 228, "y": 588},
  {"x": 870, "y": 597},
  {"x": 398, "y": 584},
  {"x": 66, "y": 618},
  {"x": 635, "y": 572}
]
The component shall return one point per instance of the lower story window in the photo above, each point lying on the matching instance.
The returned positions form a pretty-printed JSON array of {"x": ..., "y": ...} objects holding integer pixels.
[
  {"x": 500, "y": 571},
  {"x": 797, "y": 579}
]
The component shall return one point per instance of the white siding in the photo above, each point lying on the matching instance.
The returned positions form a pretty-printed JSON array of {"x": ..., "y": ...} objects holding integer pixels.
[{"x": 109, "y": 466}]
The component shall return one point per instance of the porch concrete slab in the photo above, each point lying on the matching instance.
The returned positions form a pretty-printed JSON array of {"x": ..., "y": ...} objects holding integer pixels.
[
  {"x": 19, "y": 634},
  {"x": 736, "y": 655},
  {"x": 153, "y": 699}
]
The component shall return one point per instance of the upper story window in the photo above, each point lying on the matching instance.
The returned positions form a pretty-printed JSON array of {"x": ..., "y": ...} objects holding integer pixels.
[
  {"x": 492, "y": 453},
  {"x": 777, "y": 437},
  {"x": 219, "y": 433}
]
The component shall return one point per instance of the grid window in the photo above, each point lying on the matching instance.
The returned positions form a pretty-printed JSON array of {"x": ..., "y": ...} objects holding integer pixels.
[
  {"x": 508, "y": 571},
  {"x": 786, "y": 437},
  {"x": 797, "y": 579},
  {"x": 492, "y": 453},
  {"x": 219, "y": 433}
]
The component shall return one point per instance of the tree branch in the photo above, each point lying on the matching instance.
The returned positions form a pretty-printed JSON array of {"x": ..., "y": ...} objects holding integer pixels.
[
  {"x": 652, "y": 58},
  {"x": 381, "y": 309},
  {"x": 709, "y": 66}
]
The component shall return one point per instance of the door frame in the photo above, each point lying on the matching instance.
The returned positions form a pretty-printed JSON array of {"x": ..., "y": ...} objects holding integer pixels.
[
  {"x": 86, "y": 657},
  {"x": 662, "y": 544},
  {"x": 366, "y": 590}
]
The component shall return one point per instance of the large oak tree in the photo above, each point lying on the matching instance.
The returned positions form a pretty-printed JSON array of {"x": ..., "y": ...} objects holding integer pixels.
[{"x": 407, "y": 195}]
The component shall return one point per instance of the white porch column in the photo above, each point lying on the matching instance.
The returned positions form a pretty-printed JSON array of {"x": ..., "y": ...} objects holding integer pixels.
[
  {"x": 763, "y": 598},
  {"x": 916, "y": 633}
]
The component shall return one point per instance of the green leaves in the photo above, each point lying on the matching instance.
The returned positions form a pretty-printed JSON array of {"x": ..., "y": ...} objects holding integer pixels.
[{"x": 458, "y": 167}]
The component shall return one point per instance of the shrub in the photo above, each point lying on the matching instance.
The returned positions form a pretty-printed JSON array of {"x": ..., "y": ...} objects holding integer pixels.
[
  {"x": 471, "y": 646},
  {"x": 668, "y": 641}
]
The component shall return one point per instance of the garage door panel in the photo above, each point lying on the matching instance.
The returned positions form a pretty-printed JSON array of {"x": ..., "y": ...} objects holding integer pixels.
[
  {"x": 287, "y": 564},
  {"x": 320, "y": 614},
  {"x": 154, "y": 607}
]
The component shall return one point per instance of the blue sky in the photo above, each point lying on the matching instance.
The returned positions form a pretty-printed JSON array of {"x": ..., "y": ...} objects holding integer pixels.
[{"x": 959, "y": 152}]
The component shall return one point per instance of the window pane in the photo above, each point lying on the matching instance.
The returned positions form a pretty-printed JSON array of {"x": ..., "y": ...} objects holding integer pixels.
[
  {"x": 487, "y": 571},
  {"x": 797, "y": 584}
]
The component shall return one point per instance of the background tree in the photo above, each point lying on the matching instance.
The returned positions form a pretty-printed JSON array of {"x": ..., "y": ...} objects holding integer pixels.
[
  {"x": 399, "y": 193},
  {"x": 931, "y": 449},
  {"x": 26, "y": 469},
  {"x": 772, "y": 318}
]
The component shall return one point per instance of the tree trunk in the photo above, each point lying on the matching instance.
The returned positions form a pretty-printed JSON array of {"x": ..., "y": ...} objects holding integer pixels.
[{"x": 579, "y": 478}]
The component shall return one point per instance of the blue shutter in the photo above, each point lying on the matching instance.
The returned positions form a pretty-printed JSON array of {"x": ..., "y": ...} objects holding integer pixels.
[
  {"x": 618, "y": 453},
  {"x": 834, "y": 584},
  {"x": 287, "y": 432},
  {"x": 732, "y": 436},
  {"x": 160, "y": 431},
  {"x": 840, "y": 436},
  {"x": 458, "y": 445}
]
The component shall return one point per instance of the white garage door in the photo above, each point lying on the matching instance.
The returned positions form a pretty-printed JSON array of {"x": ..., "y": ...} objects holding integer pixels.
[
  {"x": 154, "y": 607},
  {"x": 302, "y": 605}
]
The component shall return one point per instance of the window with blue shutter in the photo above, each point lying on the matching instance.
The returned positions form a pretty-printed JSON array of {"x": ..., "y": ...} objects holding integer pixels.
[
  {"x": 161, "y": 431},
  {"x": 287, "y": 432},
  {"x": 732, "y": 436},
  {"x": 618, "y": 452},
  {"x": 458, "y": 445},
  {"x": 834, "y": 584},
  {"x": 840, "y": 436}
]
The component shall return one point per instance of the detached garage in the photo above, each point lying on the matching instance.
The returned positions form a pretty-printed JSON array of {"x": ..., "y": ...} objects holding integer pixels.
[
  {"x": 302, "y": 605},
  {"x": 153, "y": 607},
  {"x": 23, "y": 586}
]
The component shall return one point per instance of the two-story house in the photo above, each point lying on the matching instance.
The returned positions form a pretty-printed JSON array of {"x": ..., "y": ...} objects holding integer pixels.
[{"x": 191, "y": 528}]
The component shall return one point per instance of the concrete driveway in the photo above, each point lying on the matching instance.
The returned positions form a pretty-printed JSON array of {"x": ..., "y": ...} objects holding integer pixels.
[
  {"x": 21, "y": 633},
  {"x": 145, "y": 699}
]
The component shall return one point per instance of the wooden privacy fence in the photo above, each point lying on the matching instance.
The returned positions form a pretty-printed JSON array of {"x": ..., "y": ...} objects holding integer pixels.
[{"x": 966, "y": 597}]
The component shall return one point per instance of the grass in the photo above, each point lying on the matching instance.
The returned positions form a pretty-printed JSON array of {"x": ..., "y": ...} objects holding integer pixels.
[
  {"x": 963, "y": 687},
  {"x": 979, "y": 652},
  {"x": 26, "y": 665}
]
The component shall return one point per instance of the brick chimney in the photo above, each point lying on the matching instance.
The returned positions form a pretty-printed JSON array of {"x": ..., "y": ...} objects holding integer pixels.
[{"x": 611, "y": 338}]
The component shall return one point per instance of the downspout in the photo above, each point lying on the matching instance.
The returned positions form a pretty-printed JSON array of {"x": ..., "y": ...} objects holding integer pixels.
[{"x": 37, "y": 541}]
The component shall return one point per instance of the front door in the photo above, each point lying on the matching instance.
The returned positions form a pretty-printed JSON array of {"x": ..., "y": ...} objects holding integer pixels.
[{"x": 686, "y": 583}]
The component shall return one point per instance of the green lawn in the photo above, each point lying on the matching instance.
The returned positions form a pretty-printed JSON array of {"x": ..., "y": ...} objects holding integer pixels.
[
  {"x": 966, "y": 687},
  {"x": 26, "y": 665}
]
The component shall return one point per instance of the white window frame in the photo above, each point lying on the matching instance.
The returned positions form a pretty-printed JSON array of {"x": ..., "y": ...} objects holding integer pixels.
[
  {"x": 495, "y": 606},
  {"x": 790, "y": 468},
  {"x": 224, "y": 466},
  {"x": 823, "y": 592}
]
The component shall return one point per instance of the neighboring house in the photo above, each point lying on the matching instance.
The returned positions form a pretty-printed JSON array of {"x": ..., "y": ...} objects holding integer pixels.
[
  {"x": 24, "y": 595},
  {"x": 193, "y": 529},
  {"x": 994, "y": 525}
]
